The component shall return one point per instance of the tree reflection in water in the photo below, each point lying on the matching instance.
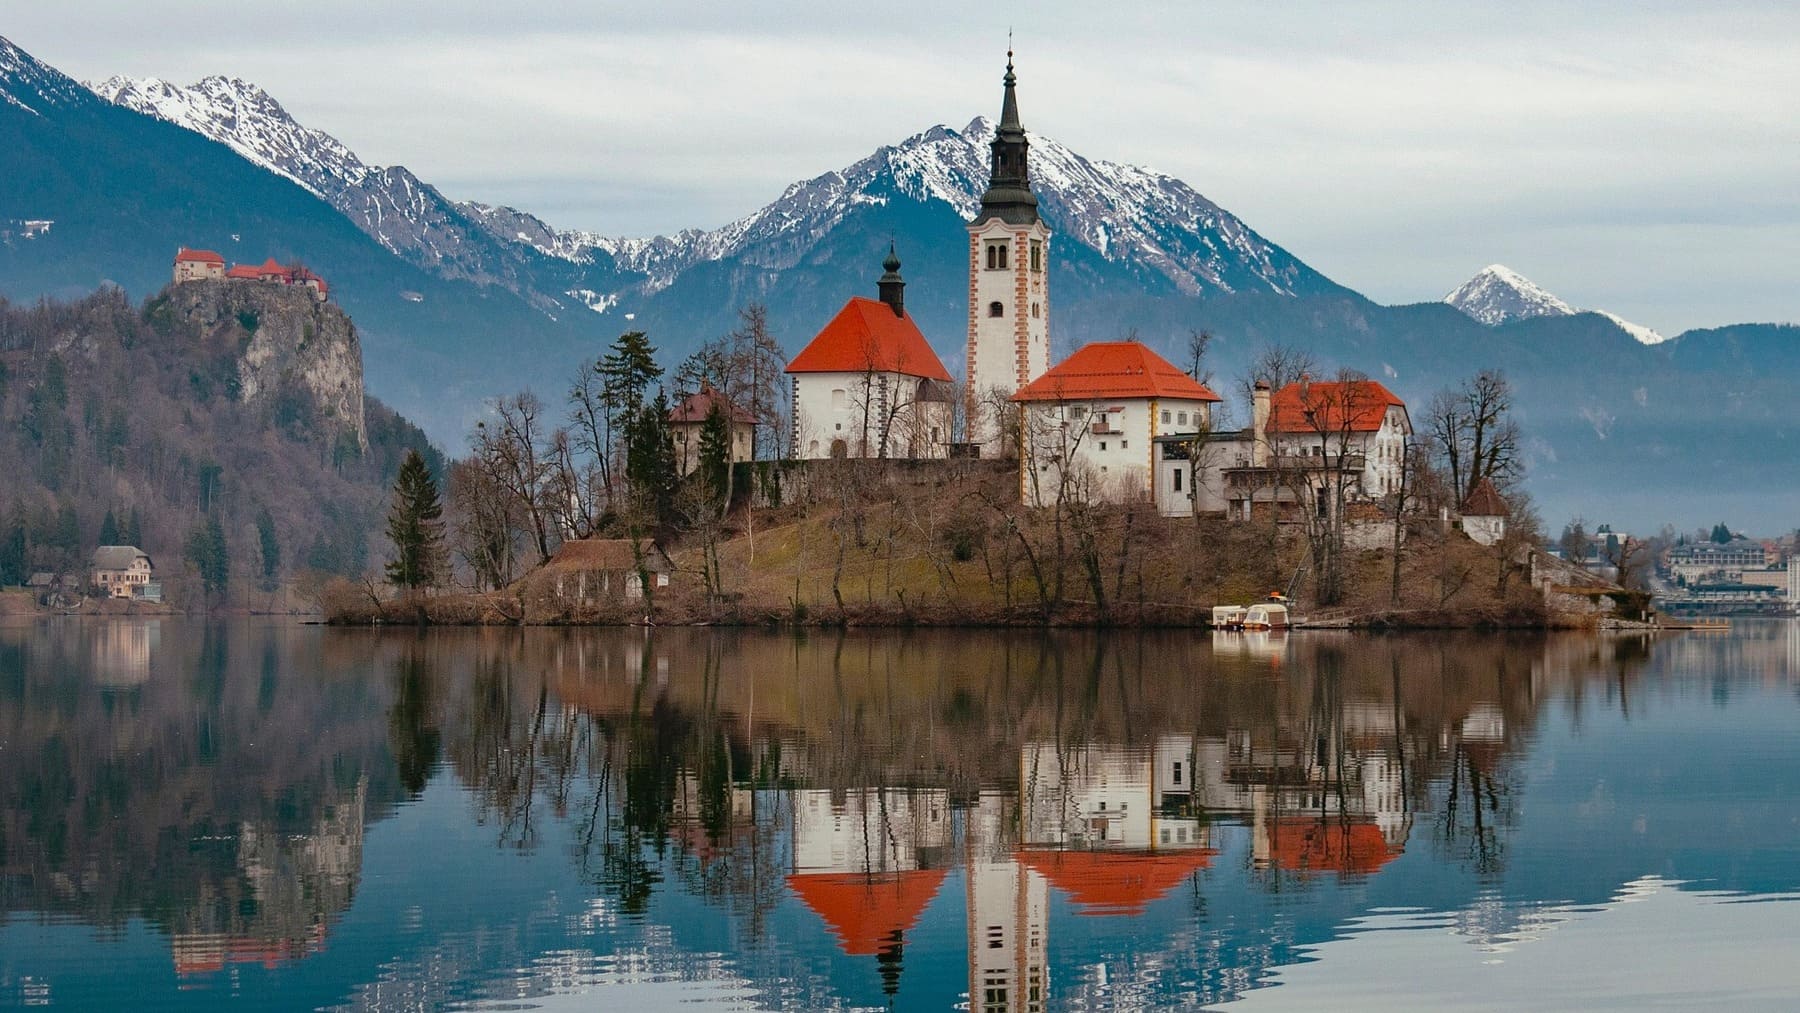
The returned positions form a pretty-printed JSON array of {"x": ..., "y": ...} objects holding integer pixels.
[{"x": 855, "y": 774}]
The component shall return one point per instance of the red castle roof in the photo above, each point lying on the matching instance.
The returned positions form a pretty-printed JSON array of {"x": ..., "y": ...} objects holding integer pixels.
[
  {"x": 270, "y": 267},
  {"x": 1114, "y": 369},
  {"x": 1309, "y": 844},
  {"x": 864, "y": 911},
  {"x": 867, "y": 336},
  {"x": 244, "y": 271},
  {"x": 185, "y": 255},
  {"x": 1365, "y": 401},
  {"x": 1116, "y": 882},
  {"x": 1483, "y": 501},
  {"x": 696, "y": 407}
]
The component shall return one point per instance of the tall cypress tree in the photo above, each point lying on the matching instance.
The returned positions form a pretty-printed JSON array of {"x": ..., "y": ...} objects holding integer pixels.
[
  {"x": 207, "y": 551},
  {"x": 109, "y": 530},
  {"x": 415, "y": 527},
  {"x": 650, "y": 459},
  {"x": 715, "y": 449},
  {"x": 133, "y": 532}
]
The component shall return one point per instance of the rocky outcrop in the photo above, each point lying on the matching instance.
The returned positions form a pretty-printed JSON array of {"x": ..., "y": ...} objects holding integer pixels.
[{"x": 290, "y": 343}]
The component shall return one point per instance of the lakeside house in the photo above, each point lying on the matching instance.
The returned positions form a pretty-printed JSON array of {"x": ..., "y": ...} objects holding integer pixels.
[
  {"x": 688, "y": 419},
  {"x": 869, "y": 385},
  {"x": 207, "y": 265},
  {"x": 1089, "y": 425},
  {"x": 598, "y": 570},
  {"x": 1484, "y": 513},
  {"x": 122, "y": 571}
]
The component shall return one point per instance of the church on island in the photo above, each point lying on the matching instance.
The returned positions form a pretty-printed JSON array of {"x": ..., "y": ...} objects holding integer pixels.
[{"x": 1114, "y": 422}]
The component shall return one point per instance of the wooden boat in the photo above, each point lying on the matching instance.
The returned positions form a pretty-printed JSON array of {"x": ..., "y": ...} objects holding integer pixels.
[{"x": 1228, "y": 617}]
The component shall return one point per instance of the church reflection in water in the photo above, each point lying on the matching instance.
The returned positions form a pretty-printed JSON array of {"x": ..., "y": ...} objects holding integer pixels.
[{"x": 879, "y": 789}]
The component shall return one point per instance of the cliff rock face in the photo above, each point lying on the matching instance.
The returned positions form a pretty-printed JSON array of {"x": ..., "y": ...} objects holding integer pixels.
[{"x": 289, "y": 342}]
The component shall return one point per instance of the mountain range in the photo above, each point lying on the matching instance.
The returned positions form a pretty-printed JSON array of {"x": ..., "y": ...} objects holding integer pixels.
[{"x": 459, "y": 300}]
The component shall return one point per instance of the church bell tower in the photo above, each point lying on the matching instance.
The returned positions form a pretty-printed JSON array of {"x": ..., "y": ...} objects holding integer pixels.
[{"x": 1009, "y": 279}]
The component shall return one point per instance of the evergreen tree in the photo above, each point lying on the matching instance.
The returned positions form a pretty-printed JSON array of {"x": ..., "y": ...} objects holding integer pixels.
[
  {"x": 209, "y": 555},
  {"x": 12, "y": 554},
  {"x": 109, "y": 530},
  {"x": 415, "y": 527},
  {"x": 68, "y": 536},
  {"x": 1721, "y": 534},
  {"x": 715, "y": 448},
  {"x": 627, "y": 371},
  {"x": 270, "y": 546},
  {"x": 650, "y": 466},
  {"x": 133, "y": 532}
]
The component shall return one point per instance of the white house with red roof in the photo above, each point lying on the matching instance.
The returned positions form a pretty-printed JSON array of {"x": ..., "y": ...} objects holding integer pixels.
[
  {"x": 197, "y": 265},
  {"x": 1299, "y": 438},
  {"x": 1088, "y": 426},
  {"x": 869, "y": 384}
]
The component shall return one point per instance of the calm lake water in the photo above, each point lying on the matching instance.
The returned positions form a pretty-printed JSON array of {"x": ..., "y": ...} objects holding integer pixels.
[{"x": 270, "y": 816}]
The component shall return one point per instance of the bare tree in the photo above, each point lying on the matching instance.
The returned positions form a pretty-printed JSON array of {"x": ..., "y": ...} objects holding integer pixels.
[{"x": 1473, "y": 432}]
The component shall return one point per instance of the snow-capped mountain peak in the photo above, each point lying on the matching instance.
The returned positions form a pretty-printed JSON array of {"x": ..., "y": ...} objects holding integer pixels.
[
  {"x": 1498, "y": 294},
  {"x": 248, "y": 120}
]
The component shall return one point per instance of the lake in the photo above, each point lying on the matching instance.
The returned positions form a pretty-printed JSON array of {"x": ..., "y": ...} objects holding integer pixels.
[{"x": 262, "y": 815}]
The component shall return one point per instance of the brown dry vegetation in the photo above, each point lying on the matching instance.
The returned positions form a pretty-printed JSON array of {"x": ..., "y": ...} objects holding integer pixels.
[{"x": 873, "y": 545}]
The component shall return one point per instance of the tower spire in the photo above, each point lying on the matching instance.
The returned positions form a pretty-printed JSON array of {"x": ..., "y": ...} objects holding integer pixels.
[
  {"x": 892, "y": 287},
  {"x": 1009, "y": 195}
]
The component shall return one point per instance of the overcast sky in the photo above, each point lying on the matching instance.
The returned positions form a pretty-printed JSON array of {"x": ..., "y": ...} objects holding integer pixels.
[{"x": 1638, "y": 157}]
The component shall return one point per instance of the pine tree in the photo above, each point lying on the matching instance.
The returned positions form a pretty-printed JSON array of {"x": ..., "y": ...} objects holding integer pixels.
[
  {"x": 209, "y": 555},
  {"x": 715, "y": 448},
  {"x": 627, "y": 371},
  {"x": 133, "y": 532},
  {"x": 109, "y": 530},
  {"x": 12, "y": 554},
  {"x": 415, "y": 527},
  {"x": 650, "y": 466},
  {"x": 270, "y": 546}
]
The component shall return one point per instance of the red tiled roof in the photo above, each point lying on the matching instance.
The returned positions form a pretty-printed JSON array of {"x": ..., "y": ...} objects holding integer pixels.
[
  {"x": 1483, "y": 501},
  {"x": 1109, "y": 369},
  {"x": 1365, "y": 401},
  {"x": 271, "y": 267},
  {"x": 198, "y": 256},
  {"x": 243, "y": 271},
  {"x": 866, "y": 335},
  {"x": 696, "y": 407},
  {"x": 864, "y": 911},
  {"x": 1310, "y": 844},
  {"x": 1116, "y": 882}
]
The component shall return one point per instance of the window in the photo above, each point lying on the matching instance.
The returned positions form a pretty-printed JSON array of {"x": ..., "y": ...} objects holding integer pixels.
[
  {"x": 1078, "y": 411},
  {"x": 1124, "y": 444},
  {"x": 1178, "y": 762},
  {"x": 839, "y": 399},
  {"x": 839, "y": 426},
  {"x": 1178, "y": 489},
  {"x": 1102, "y": 444},
  {"x": 996, "y": 255},
  {"x": 996, "y": 309},
  {"x": 1037, "y": 256},
  {"x": 1183, "y": 418},
  {"x": 1034, "y": 311},
  {"x": 934, "y": 434},
  {"x": 1165, "y": 418}
]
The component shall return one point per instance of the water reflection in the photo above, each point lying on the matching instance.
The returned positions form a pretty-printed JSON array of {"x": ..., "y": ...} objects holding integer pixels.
[{"x": 1018, "y": 822}]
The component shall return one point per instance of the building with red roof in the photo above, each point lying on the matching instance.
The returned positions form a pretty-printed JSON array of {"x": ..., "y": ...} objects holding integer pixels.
[
  {"x": 869, "y": 384},
  {"x": 197, "y": 265},
  {"x": 1302, "y": 439},
  {"x": 1088, "y": 425},
  {"x": 688, "y": 418},
  {"x": 1484, "y": 513},
  {"x": 1320, "y": 844}
]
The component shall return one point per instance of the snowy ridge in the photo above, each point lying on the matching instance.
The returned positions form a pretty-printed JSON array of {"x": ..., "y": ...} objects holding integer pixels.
[
  {"x": 1498, "y": 294},
  {"x": 25, "y": 79},
  {"x": 247, "y": 120},
  {"x": 1121, "y": 212},
  {"x": 1154, "y": 225}
]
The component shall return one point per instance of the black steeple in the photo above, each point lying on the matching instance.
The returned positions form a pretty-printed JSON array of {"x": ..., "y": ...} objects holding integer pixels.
[
  {"x": 891, "y": 286},
  {"x": 1009, "y": 195}
]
